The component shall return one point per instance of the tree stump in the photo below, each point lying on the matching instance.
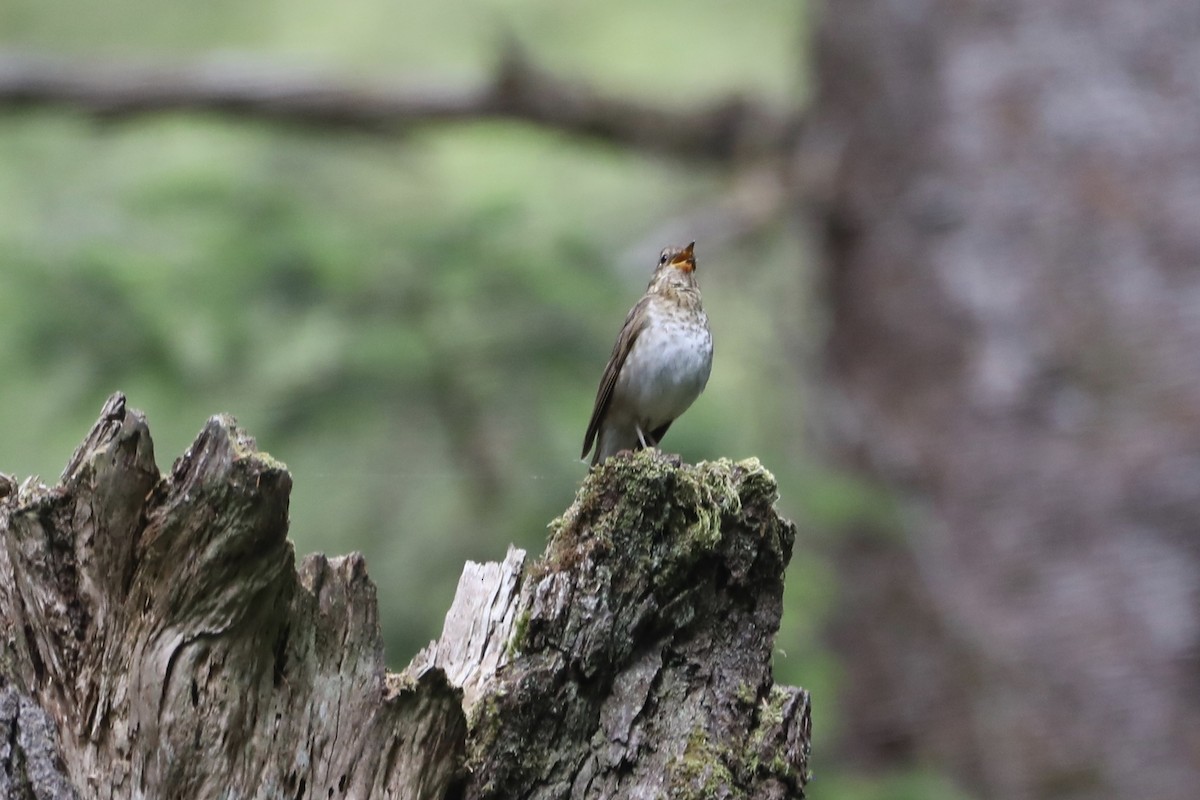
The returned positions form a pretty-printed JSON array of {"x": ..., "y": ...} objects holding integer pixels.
[{"x": 157, "y": 640}]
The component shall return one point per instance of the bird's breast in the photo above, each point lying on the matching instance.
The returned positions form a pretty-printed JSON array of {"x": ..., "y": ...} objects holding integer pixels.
[{"x": 667, "y": 367}]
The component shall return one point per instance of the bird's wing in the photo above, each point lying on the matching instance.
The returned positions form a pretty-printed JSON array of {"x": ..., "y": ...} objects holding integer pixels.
[{"x": 635, "y": 323}]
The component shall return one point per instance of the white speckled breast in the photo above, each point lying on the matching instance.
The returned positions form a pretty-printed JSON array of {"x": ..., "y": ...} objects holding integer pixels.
[{"x": 666, "y": 369}]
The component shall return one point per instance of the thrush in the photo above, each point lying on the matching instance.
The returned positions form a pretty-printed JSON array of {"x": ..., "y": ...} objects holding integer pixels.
[{"x": 658, "y": 366}]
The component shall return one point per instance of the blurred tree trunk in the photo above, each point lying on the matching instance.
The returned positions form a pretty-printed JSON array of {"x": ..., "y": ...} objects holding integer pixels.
[
  {"x": 157, "y": 641},
  {"x": 1013, "y": 267}
]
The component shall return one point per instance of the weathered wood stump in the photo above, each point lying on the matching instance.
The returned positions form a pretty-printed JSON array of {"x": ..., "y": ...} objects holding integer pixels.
[{"x": 157, "y": 640}]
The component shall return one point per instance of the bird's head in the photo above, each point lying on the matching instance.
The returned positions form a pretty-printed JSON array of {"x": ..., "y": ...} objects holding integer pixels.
[
  {"x": 680, "y": 258},
  {"x": 675, "y": 271}
]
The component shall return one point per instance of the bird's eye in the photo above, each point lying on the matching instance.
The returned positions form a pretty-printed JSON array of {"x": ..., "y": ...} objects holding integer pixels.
[{"x": 662, "y": 259}]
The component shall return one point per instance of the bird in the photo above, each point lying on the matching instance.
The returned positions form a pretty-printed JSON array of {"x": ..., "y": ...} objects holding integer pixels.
[{"x": 659, "y": 365}]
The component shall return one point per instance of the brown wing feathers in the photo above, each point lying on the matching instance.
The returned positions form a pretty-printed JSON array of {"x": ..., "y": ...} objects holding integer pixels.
[{"x": 635, "y": 321}]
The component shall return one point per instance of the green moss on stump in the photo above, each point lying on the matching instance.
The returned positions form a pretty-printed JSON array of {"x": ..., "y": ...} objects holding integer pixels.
[
  {"x": 662, "y": 514},
  {"x": 701, "y": 772}
]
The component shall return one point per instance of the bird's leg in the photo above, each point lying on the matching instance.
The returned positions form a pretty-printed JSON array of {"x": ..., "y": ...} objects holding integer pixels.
[
  {"x": 647, "y": 440},
  {"x": 642, "y": 437}
]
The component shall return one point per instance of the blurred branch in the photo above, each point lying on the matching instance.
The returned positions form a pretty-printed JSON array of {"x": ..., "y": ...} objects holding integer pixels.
[{"x": 729, "y": 129}]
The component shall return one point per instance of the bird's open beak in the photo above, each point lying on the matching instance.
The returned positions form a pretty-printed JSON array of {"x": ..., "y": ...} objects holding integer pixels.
[{"x": 685, "y": 260}]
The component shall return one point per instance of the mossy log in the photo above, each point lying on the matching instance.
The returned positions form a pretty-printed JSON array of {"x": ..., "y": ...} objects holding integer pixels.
[{"x": 158, "y": 640}]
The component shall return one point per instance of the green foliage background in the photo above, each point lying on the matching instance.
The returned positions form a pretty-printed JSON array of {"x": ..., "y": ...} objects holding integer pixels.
[{"x": 416, "y": 324}]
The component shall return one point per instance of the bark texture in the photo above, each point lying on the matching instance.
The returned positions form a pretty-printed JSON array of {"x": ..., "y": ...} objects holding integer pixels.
[
  {"x": 30, "y": 767},
  {"x": 161, "y": 625},
  {"x": 1013, "y": 249}
]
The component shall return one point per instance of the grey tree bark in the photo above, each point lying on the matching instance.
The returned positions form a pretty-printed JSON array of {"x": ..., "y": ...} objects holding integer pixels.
[
  {"x": 157, "y": 640},
  {"x": 1013, "y": 265}
]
